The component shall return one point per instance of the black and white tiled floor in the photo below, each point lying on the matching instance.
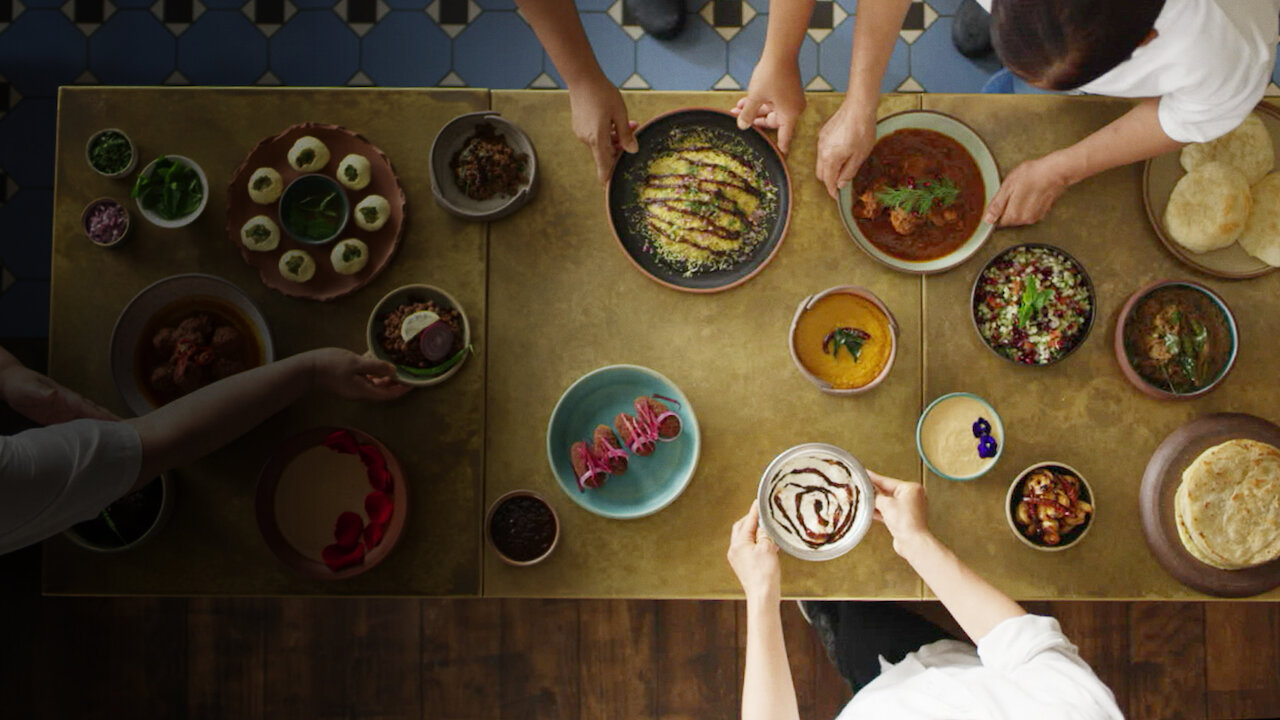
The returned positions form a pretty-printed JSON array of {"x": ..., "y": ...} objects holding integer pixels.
[{"x": 452, "y": 43}]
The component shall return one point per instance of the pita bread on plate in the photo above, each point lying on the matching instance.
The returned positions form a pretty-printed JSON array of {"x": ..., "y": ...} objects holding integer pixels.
[
  {"x": 1261, "y": 236},
  {"x": 1248, "y": 148},
  {"x": 1208, "y": 207}
]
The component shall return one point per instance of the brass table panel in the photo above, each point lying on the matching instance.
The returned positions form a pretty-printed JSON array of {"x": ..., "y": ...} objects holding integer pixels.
[
  {"x": 565, "y": 301},
  {"x": 211, "y": 544},
  {"x": 1082, "y": 411}
]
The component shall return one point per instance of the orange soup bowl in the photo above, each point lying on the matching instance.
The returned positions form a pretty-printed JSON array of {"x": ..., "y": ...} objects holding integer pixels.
[{"x": 830, "y": 326}]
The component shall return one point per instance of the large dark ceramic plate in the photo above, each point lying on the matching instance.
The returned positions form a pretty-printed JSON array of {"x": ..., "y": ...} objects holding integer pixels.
[{"x": 621, "y": 189}]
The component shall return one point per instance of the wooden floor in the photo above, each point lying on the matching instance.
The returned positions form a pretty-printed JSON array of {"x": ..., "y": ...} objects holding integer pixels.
[{"x": 563, "y": 660}]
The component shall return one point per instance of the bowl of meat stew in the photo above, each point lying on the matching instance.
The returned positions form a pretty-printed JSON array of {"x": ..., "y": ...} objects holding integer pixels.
[
  {"x": 1176, "y": 340},
  {"x": 916, "y": 203},
  {"x": 483, "y": 167},
  {"x": 423, "y": 331},
  {"x": 182, "y": 333}
]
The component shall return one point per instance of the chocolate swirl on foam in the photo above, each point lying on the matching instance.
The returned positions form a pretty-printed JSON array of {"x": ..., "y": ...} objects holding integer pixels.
[{"x": 814, "y": 499}]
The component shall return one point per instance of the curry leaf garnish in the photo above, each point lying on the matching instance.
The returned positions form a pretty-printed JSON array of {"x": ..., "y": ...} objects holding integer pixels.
[
  {"x": 850, "y": 339},
  {"x": 920, "y": 198},
  {"x": 1033, "y": 300}
]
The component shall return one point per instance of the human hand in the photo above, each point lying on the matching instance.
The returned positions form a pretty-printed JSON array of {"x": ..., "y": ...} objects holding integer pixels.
[
  {"x": 774, "y": 100},
  {"x": 600, "y": 122},
  {"x": 754, "y": 558},
  {"x": 44, "y": 401},
  {"x": 355, "y": 377},
  {"x": 903, "y": 508},
  {"x": 1028, "y": 193},
  {"x": 844, "y": 142}
]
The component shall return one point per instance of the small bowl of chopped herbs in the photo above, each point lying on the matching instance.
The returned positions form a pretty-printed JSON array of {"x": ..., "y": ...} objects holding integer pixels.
[
  {"x": 314, "y": 209},
  {"x": 171, "y": 191},
  {"x": 105, "y": 221},
  {"x": 110, "y": 153}
]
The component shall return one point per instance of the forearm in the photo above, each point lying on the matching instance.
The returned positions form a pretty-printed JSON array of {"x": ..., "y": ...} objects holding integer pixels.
[
  {"x": 768, "y": 692},
  {"x": 559, "y": 29},
  {"x": 875, "y": 32},
  {"x": 788, "y": 21},
  {"x": 975, "y": 604},
  {"x": 1136, "y": 135},
  {"x": 199, "y": 423}
]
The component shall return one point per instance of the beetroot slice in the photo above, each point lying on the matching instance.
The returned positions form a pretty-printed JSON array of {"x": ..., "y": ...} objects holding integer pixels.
[
  {"x": 337, "y": 557},
  {"x": 436, "y": 342},
  {"x": 378, "y": 505},
  {"x": 375, "y": 467},
  {"x": 373, "y": 534},
  {"x": 341, "y": 441},
  {"x": 346, "y": 531}
]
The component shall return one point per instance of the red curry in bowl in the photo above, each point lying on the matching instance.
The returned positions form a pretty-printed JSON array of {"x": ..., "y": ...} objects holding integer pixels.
[{"x": 919, "y": 196}]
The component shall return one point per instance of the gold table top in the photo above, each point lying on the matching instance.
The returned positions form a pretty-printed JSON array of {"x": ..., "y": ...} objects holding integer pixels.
[
  {"x": 211, "y": 544},
  {"x": 551, "y": 297}
]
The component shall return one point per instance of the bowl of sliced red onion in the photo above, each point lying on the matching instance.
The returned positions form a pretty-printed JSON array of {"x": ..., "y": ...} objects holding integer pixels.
[{"x": 105, "y": 221}]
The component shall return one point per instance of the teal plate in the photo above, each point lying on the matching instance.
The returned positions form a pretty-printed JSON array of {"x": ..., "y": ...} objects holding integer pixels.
[{"x": 650, "y": 483}]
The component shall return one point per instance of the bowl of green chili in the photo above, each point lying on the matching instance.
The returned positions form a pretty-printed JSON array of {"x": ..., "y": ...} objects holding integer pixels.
[
  {"x": 171, "y": 191},
  {"x": 314, "y": 209}
]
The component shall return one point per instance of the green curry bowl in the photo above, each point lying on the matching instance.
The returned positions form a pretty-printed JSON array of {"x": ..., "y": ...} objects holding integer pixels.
[{"x": 314, "y": 209}]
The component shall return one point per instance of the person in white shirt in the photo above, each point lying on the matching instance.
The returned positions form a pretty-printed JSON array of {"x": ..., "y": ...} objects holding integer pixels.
[
  {"x": 1200, "y": 65},
  {"x": 1022, "y": 665},
  {"x": 85, "y": 458}
]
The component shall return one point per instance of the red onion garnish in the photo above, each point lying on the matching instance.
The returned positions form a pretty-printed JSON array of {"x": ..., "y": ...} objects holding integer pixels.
[{"x": 106, "y": 223}]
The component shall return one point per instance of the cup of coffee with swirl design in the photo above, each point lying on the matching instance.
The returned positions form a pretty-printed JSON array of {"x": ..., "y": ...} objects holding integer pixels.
[{"x": 816, "y": 501}]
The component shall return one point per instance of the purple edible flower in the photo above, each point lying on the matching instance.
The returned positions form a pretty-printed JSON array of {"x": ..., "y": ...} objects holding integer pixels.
[
  {"x": 987, "y": 447},
  {"x": 981, "y": 427}
]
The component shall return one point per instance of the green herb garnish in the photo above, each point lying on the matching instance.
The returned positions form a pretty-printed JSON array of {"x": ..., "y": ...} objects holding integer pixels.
[
  {"x": 262, "y": 182},
  {"x": 370, "y": 214},
  {"x": 259, "y": 233},
  {"x": 920, "y": 198},
  {"x": 850, "y": 339},
  {"x": 350, "y": 252},
  {"x": 110, "y": 153},
  {"x": 1034, "y": 298},
  {"x": 1186, "y": 346},
  {"x": 314, "y": 216},
  {"x": 350, "y": 172},
  {"x": 294, "y": 264},
  {"x": 306, "y": 157},
  {"x": 171, "y": 190}
]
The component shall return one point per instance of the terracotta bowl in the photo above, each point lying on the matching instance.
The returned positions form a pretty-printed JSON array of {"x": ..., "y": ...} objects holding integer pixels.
[
  {"x": 84, "y": 221},
  {"x": 809, "y": 302},
  {"x": 1122, "y": 357},
  {"x": 400, "y": 295},
  {"x": 1070, "y": 538},
  {"x": 488, "y": 535}
]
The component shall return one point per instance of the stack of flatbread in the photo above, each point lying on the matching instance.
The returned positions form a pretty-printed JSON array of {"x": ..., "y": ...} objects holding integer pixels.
[
  {"x": 1229, "y": 194},
  {"x": 1227, "y": 507}
]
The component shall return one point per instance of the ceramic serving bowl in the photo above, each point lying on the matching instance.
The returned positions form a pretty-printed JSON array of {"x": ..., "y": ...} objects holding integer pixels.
[
  {"x": 185, "y": 220},
  {"x": 488, "y": 528},
  {"x": 167, "y": 491},
  {"x": 1122, "y": 354},
  {"x": 997, "y": 427},
  {"x": 863, "y": 513},
  {"x": 305, "y": 186},
  {"x": 133, "y": 153},
  {"x": 401, "y": 296},
  {"x": 451, "y": 139},
  {"x": 88, "y": 211},
  {"x": 1071, "y": 538},
  {"x": 976, "y": 147},
  {"x": 822, "y": 384}
]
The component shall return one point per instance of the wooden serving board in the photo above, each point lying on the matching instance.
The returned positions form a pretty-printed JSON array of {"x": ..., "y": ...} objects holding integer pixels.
[{"x": 1155, "y": 502}]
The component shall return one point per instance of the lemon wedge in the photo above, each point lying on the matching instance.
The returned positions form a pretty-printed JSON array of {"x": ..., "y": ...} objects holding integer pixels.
[{"x": 416, "y": 323}]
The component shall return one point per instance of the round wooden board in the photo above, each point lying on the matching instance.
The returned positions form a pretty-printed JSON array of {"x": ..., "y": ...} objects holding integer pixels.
[
  {"x": 1155, "y": 503},
  {"x": 1162, "y": 172},
  {"x": 327, "y": 284},
  {"x": 265, "y": 505}
]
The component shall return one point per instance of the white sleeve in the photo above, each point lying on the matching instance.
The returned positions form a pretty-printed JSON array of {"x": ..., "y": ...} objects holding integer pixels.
[
  {"x": 1185, "y": 117},
  {"x": 1032, "y": 651},
  {"x": 54, "y": 477}
]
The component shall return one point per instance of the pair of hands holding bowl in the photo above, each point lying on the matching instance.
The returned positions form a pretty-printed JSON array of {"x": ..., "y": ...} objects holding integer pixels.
[{"x": 901, "y": 506}]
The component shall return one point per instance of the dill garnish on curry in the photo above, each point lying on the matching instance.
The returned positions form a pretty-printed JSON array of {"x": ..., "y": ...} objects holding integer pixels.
[
  {"x": 919, "y": 195},
  {"x": 703, "y": 201}
]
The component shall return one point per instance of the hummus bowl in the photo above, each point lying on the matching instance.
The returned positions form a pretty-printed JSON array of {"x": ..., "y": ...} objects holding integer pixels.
[
  {"x": 950, "y": 432},
  {"x": 816, "y": 501},
  {"x": 843, "y": 340}
]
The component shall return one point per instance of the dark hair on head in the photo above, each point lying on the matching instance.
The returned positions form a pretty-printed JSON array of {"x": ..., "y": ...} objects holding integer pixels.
[{"x": 1063, "y": 44}]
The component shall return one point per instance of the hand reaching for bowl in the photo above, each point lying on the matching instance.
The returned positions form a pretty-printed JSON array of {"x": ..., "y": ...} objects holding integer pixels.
[
  {"x": 754, "y": 558},
  {"x": 1028, "y": 194},
  {"x": 600, "y": 122},
  {"x": 903, "y": 508},
  {"x": 844, "y": 142},
  {"x": 355, "y": 377}
]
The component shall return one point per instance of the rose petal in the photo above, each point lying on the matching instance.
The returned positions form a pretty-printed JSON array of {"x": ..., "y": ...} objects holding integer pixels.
[
  {"x": 346, "y": 531},
  {"x": 341, "y": 441},
  {"x": 378, "y": 505},
  {"x": 373, "y": 534},
  {"x": 337, "y": 557},
  {"x": 379, "y": 479},
  {"x": 375, "y": 466}
]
